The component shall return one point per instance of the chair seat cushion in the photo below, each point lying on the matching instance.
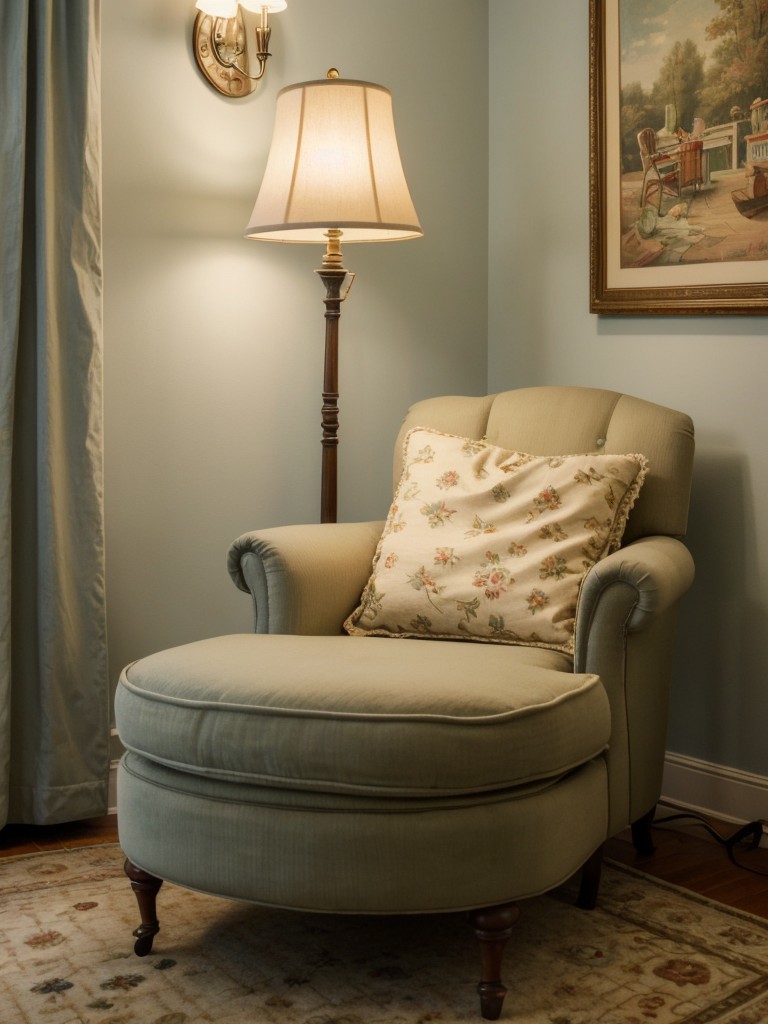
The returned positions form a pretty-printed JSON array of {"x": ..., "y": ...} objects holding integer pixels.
[{"x": 363, "y": 715}]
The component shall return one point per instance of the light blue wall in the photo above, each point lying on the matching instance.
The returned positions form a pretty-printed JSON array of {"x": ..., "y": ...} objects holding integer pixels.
[
  {"x": 214, "y": 344},
  {"x": 715, "y": 368}
]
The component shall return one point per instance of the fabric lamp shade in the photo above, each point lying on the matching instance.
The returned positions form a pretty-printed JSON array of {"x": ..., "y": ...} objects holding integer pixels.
[
  {"x": 228, "y": 8},
  {"x": 272, "y": 6},
  {"x": 334, "y": 163},
  {"x": 218, "y": 8}
]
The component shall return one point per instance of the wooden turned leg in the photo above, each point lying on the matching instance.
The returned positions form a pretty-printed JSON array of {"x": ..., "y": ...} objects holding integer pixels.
[
  {"x": 590, "y": 880},
  {"x": 146, "y": 887},
  {"x": 493, "y": 926},
  {"x": 642, "y": 837}
]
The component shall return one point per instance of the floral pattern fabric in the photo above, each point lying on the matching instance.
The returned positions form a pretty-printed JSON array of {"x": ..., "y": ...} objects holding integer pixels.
[{"x": 484, "y": 543}]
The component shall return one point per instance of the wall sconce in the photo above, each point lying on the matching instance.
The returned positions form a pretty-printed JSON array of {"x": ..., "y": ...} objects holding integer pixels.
[{"x": 220, "y": 43}]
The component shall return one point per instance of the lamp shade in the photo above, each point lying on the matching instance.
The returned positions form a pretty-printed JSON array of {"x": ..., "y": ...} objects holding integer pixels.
[
  {"x": 218, "y": 8},
  {"x": 334, "y": 163},
  {"x": 272, "y": 6},
  {"x": 228, "y": 8}
]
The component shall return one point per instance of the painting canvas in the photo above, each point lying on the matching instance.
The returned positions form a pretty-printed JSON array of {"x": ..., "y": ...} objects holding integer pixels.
[{"x": 679, "y": 156}]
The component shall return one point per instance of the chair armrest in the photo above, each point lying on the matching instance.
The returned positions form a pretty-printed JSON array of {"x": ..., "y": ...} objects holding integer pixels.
[
  {"x": 625, "y": 633},
  {"x": 304, "y": 579},
  {"x": 630, "y": 588}
]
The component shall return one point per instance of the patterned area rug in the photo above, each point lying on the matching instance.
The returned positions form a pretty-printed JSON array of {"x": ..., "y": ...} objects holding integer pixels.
[{"x": 649, "y": 953}]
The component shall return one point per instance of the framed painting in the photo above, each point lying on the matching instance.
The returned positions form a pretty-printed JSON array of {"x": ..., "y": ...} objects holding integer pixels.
[{"x": 678, "y": 157}]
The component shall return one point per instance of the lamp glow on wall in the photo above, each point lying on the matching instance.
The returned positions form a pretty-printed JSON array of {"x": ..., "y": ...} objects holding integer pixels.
[
  {"x": 220, "y": 44},
  {"x": 334, "y": 173}
]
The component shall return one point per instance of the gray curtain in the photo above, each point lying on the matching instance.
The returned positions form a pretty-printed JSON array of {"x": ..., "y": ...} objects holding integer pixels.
[{"x": 54, "y": 718}]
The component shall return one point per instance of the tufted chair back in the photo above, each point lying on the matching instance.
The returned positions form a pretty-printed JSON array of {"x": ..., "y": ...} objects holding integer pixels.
[{"x": 571, "y": 420}]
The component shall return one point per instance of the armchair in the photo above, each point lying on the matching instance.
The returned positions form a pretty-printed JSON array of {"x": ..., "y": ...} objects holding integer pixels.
[{"x": 317, "y": 771}]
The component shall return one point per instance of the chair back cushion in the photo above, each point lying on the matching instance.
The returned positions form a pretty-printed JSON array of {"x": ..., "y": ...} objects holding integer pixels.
[{"x": 573, "y": 420}]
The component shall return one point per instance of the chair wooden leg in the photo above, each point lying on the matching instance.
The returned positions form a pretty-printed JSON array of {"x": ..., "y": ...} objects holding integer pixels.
[
  {"x": 590, "y": 880},
  {"x": 146, "y": 887},
  {"x": 493, "y": 926},
  {"x": 642, "y": 837}
]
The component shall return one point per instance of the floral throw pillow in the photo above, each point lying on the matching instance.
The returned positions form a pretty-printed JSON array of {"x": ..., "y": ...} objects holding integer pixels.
[{"x": 483, "y": 543}]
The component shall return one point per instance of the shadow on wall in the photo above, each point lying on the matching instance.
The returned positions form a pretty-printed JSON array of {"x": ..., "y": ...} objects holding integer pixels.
[{"x": 719, "y": 700}]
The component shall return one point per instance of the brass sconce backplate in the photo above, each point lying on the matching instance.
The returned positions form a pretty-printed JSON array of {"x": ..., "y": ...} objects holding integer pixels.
[{"x": 231, "y": 40}]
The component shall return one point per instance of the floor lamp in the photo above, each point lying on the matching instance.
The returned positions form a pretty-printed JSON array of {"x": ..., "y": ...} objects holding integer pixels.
[{"x": 333, "y": 173}]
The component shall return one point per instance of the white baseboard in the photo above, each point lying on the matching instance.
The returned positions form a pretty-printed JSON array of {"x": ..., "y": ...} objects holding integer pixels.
[{"x": 711, "y": 789}]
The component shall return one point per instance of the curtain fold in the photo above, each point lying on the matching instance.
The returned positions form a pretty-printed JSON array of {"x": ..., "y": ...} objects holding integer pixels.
[{"x": 54, "y": 685}]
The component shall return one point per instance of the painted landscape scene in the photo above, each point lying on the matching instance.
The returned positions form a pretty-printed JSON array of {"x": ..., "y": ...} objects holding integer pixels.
[{"x": 694, "y": 131}]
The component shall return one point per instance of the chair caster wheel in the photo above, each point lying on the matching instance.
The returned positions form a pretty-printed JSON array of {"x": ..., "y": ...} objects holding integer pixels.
[
  {"x": 143, "y": 945},
  {"x": 491, "y": 1000}
]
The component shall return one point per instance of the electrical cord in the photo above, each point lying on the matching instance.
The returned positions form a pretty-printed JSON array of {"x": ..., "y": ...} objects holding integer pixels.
[{"x": 747, "y": 837}]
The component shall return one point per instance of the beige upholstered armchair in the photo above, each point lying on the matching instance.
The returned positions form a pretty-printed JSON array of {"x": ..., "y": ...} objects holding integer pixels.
[{"x": 530, "y": 568}]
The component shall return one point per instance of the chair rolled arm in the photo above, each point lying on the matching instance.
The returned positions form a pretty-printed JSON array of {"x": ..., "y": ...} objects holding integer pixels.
[
  {"x": 304, "y": 579},
  {"x": 633, "y": 587},
  {"x": 625, "y": 633}
]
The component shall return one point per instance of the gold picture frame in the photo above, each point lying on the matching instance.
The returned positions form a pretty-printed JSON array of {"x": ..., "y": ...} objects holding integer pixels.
[{"x": 633, "y": 268}]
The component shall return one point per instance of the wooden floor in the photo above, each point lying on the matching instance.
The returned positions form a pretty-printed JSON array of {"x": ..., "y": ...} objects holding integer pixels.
[
  {"x": 19, "y": 839},
  {"x": 684, "y": 856}
]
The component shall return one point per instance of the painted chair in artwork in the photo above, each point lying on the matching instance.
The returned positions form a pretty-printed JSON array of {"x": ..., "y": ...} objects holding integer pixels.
[
  {"x": 450, "y": 710},
  {"x": 668, "y": 172}
]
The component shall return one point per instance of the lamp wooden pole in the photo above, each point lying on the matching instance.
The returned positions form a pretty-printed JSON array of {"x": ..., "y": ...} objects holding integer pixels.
[{"x": 333, "y": 275}]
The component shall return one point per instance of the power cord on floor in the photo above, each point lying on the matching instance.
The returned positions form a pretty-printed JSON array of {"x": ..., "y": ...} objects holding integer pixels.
[{"x": 746, "y": 838}]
